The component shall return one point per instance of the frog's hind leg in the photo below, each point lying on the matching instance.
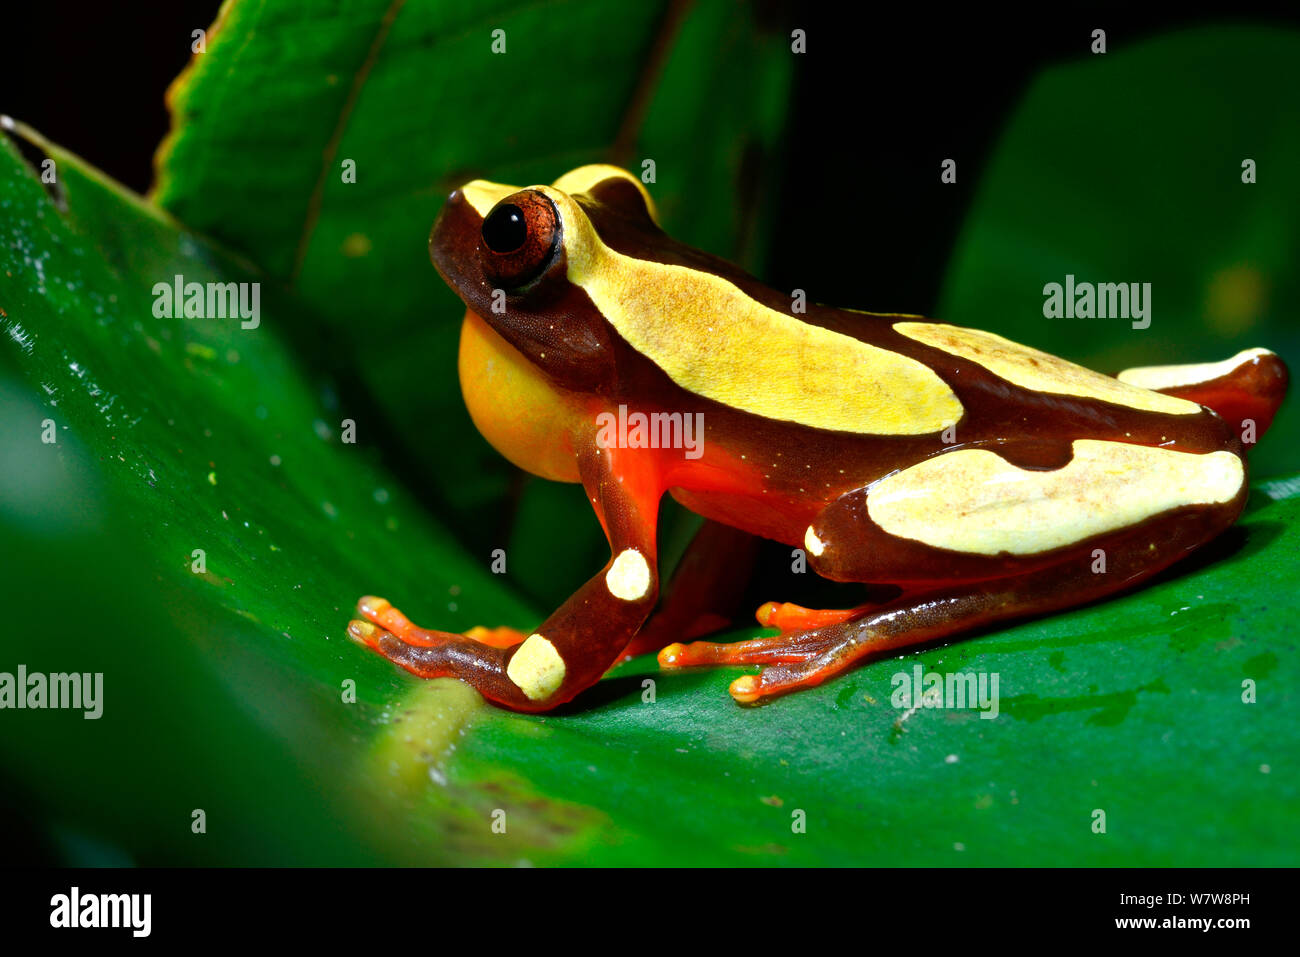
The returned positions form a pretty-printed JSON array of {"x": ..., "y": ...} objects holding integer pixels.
[
  {"x": 803, "y": 659},
  {"x": 951, "y": 591}
]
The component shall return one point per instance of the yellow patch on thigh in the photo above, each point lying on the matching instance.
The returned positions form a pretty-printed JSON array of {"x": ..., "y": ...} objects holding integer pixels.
[
  {"x": 1040, "y": 371},
  {"x": 972, "y": 500}
]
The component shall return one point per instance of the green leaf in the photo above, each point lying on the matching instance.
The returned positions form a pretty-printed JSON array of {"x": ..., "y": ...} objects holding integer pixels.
[{"x": 176, "y": 435}]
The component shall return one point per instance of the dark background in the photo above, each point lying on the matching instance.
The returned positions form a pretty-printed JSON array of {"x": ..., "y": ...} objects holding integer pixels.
[{"x": 884, "y": 109}]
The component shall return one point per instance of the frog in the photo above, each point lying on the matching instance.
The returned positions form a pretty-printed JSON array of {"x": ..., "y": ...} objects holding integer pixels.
[{"x": 964, "y": 479}]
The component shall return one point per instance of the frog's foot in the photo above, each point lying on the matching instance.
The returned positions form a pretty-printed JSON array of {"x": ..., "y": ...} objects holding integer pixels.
[
  {"x": 800, "y": 638},
  {"x": 798, "y": 659},
  {"x": 378, "y": 611},
  {"x": 525, "y": 674},
  {"x": 480, "y": 657}
]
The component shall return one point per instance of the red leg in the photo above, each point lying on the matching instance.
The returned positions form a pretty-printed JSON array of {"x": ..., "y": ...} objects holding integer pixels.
[
  {"x": 705, "y": 589},
  {"x": 806, "y": 658},
  {"x": 576, "y": 645}
]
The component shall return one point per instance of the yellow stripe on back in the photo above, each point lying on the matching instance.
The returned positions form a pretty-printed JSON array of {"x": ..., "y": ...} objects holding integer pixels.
[
  {"x": 716, "y": 342},
  {"x": 1040, "y": 371}
]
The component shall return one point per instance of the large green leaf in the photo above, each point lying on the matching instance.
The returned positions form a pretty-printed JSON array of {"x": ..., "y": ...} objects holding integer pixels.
[
  {"x": 176, "y": 435},
  {"x": 224, "y": 690}
]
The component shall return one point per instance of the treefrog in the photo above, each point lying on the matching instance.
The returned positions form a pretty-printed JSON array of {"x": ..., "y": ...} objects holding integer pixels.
[{"x": 983, "y": 479}]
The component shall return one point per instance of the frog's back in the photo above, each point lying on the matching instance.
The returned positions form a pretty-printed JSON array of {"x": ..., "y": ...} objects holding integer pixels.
[{"x": 1010, "y": 389}]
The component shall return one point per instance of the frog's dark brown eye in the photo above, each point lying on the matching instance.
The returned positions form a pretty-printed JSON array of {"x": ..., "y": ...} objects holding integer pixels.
[
  {"x": 520, "y": 236},
  {"x": 504, "y": 230}
]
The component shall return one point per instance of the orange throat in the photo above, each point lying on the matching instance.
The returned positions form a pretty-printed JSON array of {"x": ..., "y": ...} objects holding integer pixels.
[{"x": 526, "y": 417}]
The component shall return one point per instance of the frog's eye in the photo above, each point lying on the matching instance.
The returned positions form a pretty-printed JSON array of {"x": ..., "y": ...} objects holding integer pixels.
[{"x": 520, "y": 236}]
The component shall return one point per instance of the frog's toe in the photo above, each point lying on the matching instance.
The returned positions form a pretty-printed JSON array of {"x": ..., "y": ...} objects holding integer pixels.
[
  {"x": 757, "y": 651},
  {"x": 778, "y": 679},
  {"x": 380, "y": 612},
  {"x": 793, "y": 660},
  {"x": 501, "y": 637},
  {"x": 828, "y": 653},
  {"x": 791, "y": 617},
  {"x": 365, "y": 632},
  {"x": 789, "y": 665}
]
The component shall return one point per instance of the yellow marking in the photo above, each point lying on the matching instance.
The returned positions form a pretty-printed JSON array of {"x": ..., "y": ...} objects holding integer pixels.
[
  {"x": 525, "y": 416},
  {"x": 1032, "y": 369},
  {"x": 1171, "y": 377},
  {"x": 483, "y": 195},
  {"x": 629, "y": 577},
  {"x": 745, "y": 689},
  {"x": 811, "y": 542},
  {"x": 582, "y": 179},
  {"x": 715, "y": 341},
  {"x": 972, "y": 500},
  {"x": 536, "y": 668}
]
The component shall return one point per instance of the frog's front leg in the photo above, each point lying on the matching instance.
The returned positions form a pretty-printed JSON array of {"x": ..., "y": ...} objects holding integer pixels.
[
  {"x": 574, "y": 647},
  {"x": 975, "y": 540},
  {"x": 379, "y": 614},
  {"x": 705, "y": 590}
]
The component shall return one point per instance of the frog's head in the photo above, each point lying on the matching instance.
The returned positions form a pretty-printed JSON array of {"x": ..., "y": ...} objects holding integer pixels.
[{"x": 519, "y": 258}]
